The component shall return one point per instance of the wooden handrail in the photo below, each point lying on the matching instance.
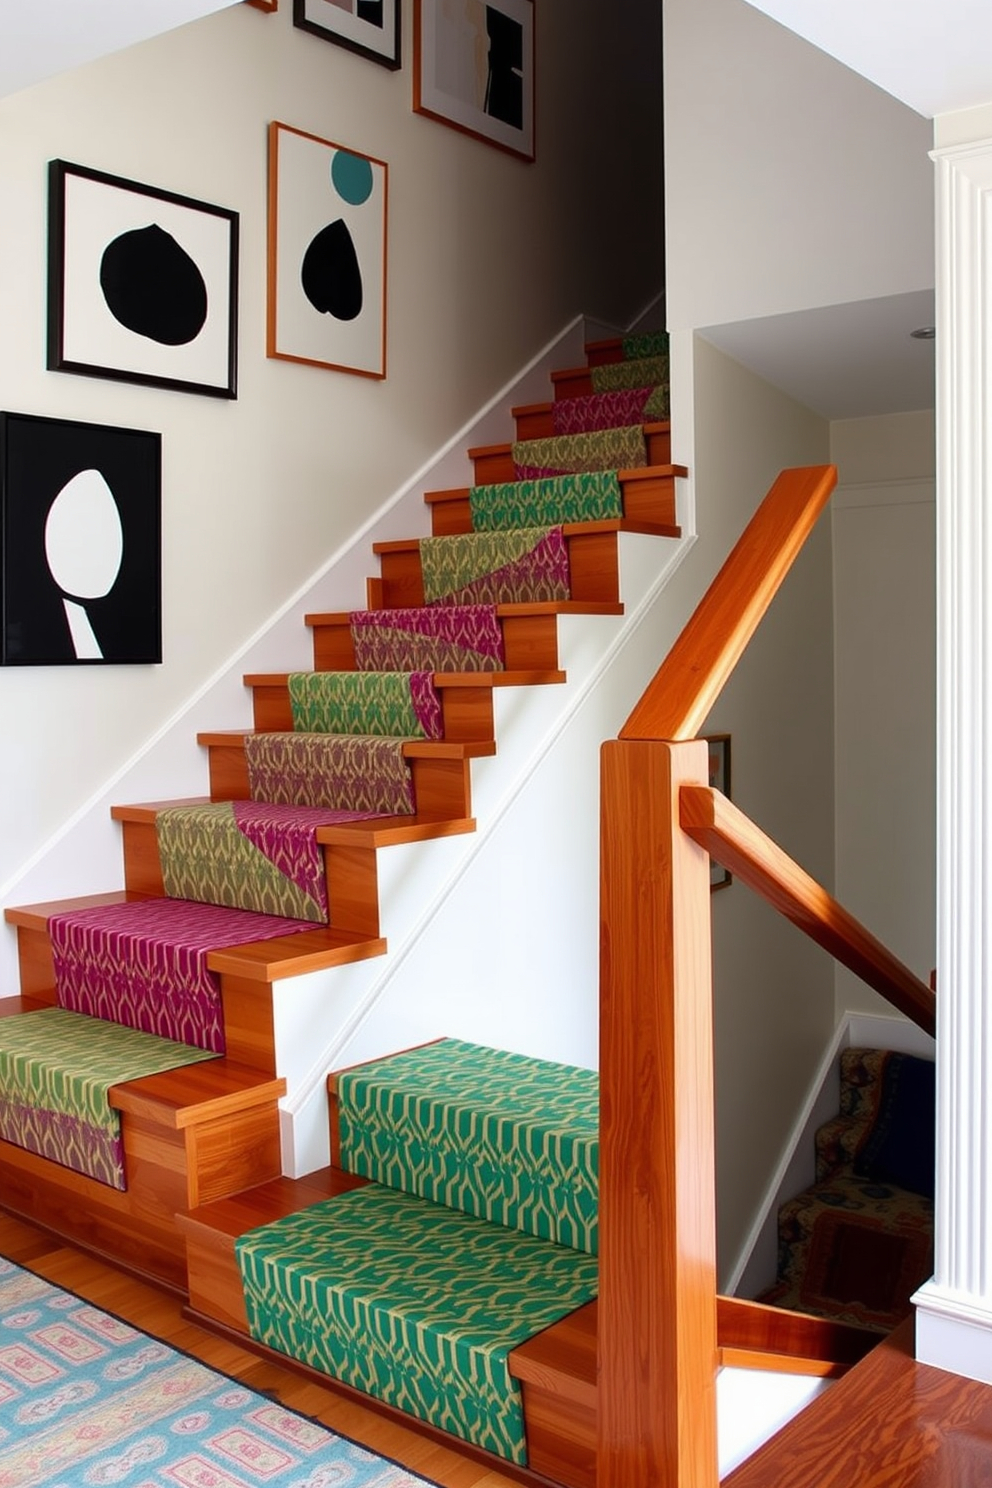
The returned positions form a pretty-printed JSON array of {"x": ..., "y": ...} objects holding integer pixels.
[
  {"x": 733, "y": 840},
  {"x": 686, "y": 685}
]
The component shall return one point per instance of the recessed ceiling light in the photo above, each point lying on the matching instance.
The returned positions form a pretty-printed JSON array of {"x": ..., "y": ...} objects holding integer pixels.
[{"x": 924, "y": 333}]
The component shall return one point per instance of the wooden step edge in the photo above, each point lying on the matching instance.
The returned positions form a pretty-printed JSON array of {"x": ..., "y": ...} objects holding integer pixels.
[
  {"x": 743, "y": 1324},
  {"x": 562, "y": 1360},
  {"x": 570, "y": 529},
  {"x": 238, "y": 1213},
  {"x": 755, "y": 1359},
  {"x": 484, "y": 451},
  {"x": 196, "y": 1093},
  {"x": 294, "y": 955},
  {"x": 12, "y": 1007},
  {"x": 36, "y": 916},
  {"x": 394, "y": 830},
  {"x": 412, "y": 749},
  {"x": 440, "y": 679},
  {"x": 628, "y": 476},
  {"x": 515, "y": 610},
  {"x": 146, "y": 811}
]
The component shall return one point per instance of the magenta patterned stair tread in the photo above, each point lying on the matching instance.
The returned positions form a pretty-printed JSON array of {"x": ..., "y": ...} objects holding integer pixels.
[
  {"x": 527, "y": 564},
  {"x": 588, "y": 496},
  {"x": 143, "y": 963},
  {"x": 253, "y": 855},
  {"x": 398, "y": 704},
  {"x": 563, "y": 454},
  {"x": 414, "y": 1304},
  {"x": 56, "y": 1069},
  {"x": 612, "y": 409},
  {"x": 367, "y": 774},
  {"x": 449, "y": 637},
  {"x": 511, "y": 1139}
]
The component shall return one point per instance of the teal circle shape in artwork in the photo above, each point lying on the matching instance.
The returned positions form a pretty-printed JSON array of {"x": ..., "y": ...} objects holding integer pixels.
[{"x": 351, "y": 177}]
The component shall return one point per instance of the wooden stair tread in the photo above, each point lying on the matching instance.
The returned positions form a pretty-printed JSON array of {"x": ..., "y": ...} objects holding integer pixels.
[
  {"x": 651, "y": 426},
  {"x": 517, "y": 678},
  {"x": 390, "y": 830},
  {"x": 509, "y": 611},
  {"x": 36, "y": 916},
  {"x": 412, "y": 748},
  {"x": 282, "y": 1196},
  {"x": 633, "y": 476},
  {"x": 570, "y": 529},
  {"x": 194, "y": 1093}
]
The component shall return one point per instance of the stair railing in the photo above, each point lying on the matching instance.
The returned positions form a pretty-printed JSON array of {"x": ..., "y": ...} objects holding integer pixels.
[{"x": 660, "y": 823}]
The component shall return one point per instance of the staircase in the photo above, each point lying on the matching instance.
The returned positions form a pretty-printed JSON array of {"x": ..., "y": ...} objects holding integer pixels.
[
  {"x": 858, "y": 1243},
  {"x": 274, "y": 875}
]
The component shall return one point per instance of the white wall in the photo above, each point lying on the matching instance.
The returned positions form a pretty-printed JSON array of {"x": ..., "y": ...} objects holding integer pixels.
[
  {"x": 489, "y": 257},
  {"x": 790, "y": 181},
  {"x": 883, "y": 521}
]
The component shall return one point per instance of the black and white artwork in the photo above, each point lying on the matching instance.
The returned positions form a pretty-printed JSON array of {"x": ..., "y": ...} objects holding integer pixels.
[
  {"x": 327, "y": 254},
  {"x": 142, "y": 284},
  {"x": 80, "y": 543},
  {"x": 369, "y": 27},
  {"x": 475, "y": 69}
]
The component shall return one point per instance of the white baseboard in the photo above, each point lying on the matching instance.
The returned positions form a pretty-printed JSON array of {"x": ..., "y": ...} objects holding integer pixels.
[{"x": 953, "y": 1333}]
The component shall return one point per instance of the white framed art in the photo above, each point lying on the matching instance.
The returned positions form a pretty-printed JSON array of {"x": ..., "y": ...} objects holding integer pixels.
[{"x": 474, "y": 69}]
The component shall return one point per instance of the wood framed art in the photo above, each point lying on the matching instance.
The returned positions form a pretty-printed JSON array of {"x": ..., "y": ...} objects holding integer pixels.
[
  {"x": 719, "y": 772},
  {"x": 142, "y": 283},
  {"x": 80, "y": 544},
  {"x": 327, "y": 254},
  {"x": 474, "y": 69},
  {"x": 369, "y": 27},
  {"x": 264, "y": 4}
]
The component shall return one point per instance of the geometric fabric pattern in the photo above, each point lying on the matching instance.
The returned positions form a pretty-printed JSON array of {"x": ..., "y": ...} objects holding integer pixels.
[
  {"x": 610, "y": 410},
  {"x": 56, "y": 1068},
  {"x": 526, "y": 565},
  {"x": 647, "y": 344},
  {"x": 364, "y": 774},
  {"x": 624, "y": 448},
  {"x": 90, "y": 1400},
  {"x": 247, "y": 855},
  {"x": 613, "y": 376},
  {"x": 403, "y": 705},
  {"x": 434, "y": 638},
  {"x": 511, "y": 1139},
  {"x": 592, "y": 496},
  {"x": 411, "y": 1303},
  {"x": 143, "y": 963}
]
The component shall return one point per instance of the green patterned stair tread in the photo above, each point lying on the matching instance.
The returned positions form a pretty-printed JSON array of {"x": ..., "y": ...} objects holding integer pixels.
[
  {"x": 587, "y": 496},
  {"x": 354, "y": 703},
  {"x": 511, "y": 1139},
  {"x": 414, "y": 1304},
  {"x": 647, "y": 344},
  {"x": 602, "y": 449},
  {"x": 612, "y": 377}
]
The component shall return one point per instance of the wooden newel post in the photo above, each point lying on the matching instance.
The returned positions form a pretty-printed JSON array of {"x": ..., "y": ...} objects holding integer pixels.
[{"x": 657, "y": 1308}]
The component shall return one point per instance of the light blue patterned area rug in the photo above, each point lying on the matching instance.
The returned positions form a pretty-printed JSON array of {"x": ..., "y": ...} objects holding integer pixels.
[{"x": 85, "y": 1399}]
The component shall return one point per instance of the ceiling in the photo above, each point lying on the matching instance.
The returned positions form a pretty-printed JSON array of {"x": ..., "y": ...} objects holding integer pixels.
[{"x": 39, "y": 38}]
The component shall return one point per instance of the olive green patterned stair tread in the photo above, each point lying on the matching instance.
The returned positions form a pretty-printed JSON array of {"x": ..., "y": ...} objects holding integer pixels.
[
  {"x": 653, "y": 428},
  {"x": 413, "y": 748},
  {"x": 569, "y": 529},
  {"x": 505, "y": 610}
]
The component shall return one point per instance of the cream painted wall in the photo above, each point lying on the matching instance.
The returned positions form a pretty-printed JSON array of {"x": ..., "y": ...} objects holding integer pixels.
[
  {"x": 488, "y": 258},
  {"x": 791, "y": 182},
  {"x": 883, "y": 522}
]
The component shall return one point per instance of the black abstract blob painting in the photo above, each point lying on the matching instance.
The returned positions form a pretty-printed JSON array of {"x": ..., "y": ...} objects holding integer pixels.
[
  {"x": 331, "y": 274},
  {"x": 153, "y": 287}
]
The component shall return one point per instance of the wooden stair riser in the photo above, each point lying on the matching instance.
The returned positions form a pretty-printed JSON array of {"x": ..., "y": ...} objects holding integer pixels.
[
  {"x": 530, "y": 640},
  {"x": 466, "y": 710},
  {"x": 493, "y": 463},
  {"x": 592, "y": 557},
  {"x": 649, "y": 502}
]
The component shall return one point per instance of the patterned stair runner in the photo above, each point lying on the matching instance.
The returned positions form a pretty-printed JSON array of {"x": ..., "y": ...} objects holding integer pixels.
[
  {"x": 592, "y": 496},
  {"x": 526, "y": 565},
  {"x": 610, "y": 410},
  {"x": 563, "y": 454},
  {"x": 437, "y": 638},
  {"x": 412, "y": 1303},
  {"x": 56, "y": 1068},
  {"x": 614, "y": 377},
  {"x": 511, "y": 1139},
  {"x": 398, "y": 705},
  {"x": 143, "y": 963},
  {"x": 645, "y": 344}
]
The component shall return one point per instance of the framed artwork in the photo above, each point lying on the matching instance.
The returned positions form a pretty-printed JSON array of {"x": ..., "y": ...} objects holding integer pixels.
[
  {"x": 327, "y": 254},
  {"x": 142, "y": 284},
  {"x": 80, "y": 543},
  {"x": 369, "y": 27},
  {"x": 719, "y": 771},
  {"x": 474, "y": 69}
]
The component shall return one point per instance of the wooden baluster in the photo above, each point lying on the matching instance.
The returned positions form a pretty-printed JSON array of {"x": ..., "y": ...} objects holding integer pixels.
[{"x": 657, "y": 1316}]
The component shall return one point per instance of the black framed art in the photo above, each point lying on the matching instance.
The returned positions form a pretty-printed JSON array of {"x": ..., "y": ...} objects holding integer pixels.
[
  {"x": 142, "y": 283},
  {"x": 80, "y": 543},
  {"x": 369, "y": 27}
]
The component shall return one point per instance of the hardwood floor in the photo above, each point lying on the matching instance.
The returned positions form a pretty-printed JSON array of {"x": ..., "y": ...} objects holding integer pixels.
[
  {"x": 160, "y": 1312},
  {"x": 889, "y": 1423}
]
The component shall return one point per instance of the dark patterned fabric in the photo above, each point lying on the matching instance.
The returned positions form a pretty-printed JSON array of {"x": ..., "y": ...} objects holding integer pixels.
[
  {"x": 365, "y": 773},
  {"x": 610, "y": 410},
  {"x": 435, "y": 638},
  {"x": 528, "y": 565},
  {"x": 563, "y": 454}
]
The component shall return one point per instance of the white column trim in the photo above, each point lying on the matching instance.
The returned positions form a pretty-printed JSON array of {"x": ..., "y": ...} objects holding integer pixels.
[{"x": 954, "y": 1311}]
